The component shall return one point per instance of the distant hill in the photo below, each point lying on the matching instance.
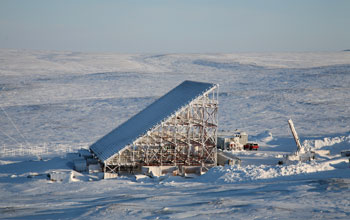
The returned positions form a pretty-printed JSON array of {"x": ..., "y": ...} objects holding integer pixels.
[{"x": 347, "y": 50}]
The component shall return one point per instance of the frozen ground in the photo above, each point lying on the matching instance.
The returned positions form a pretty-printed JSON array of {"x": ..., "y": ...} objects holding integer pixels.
[{"x": 61, "y": 101}]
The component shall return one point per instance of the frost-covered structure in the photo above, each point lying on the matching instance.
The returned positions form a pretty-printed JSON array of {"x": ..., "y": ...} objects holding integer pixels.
[{"x": 178, "y": 129}]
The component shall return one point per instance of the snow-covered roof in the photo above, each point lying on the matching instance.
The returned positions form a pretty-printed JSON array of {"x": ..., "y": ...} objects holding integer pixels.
[{"x": 148, "y": 118}]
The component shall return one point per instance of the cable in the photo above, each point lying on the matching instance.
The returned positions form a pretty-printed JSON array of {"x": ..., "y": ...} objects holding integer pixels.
[
  {"x": 14, "y": 125},
  {"x": 10, "y": 137}
]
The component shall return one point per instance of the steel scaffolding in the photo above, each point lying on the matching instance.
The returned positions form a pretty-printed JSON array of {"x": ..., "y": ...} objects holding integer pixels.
[{"x": 186, "y": 138}]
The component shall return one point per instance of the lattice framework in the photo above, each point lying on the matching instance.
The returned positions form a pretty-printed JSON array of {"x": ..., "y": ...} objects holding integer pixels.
[{"x": 188, "y": 138}]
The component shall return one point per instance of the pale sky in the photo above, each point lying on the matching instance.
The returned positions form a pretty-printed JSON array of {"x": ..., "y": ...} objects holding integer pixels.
[{"x": 177, "y": 26}]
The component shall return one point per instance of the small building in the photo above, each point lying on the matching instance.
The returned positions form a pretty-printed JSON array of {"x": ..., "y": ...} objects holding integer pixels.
[
  {"x": 80, "y": 165},
  {"x": 177, "y": 130},
  {"x": 233, "y": 141}
]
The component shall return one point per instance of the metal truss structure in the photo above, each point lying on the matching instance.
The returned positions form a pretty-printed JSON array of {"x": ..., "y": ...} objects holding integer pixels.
[{"x": 186, "y": 138}]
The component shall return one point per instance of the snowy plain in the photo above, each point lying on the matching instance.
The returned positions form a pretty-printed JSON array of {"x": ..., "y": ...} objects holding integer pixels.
[{"x": 54, "y": 102}]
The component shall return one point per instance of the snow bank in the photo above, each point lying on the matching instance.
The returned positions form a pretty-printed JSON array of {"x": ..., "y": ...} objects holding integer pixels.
[
  {"x": 334, "y": 144},
  {"x": 251, "y": 172},
  {"x": 232, "y": 174},
  {"x": 265, "y": 137}
]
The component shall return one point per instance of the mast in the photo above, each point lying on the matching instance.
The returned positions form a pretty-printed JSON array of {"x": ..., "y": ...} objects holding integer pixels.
[{"x": 295, "y": 135}]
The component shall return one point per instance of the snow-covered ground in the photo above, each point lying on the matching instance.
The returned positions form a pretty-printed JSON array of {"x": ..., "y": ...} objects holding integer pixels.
[{"x": 57, "y": 102}]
